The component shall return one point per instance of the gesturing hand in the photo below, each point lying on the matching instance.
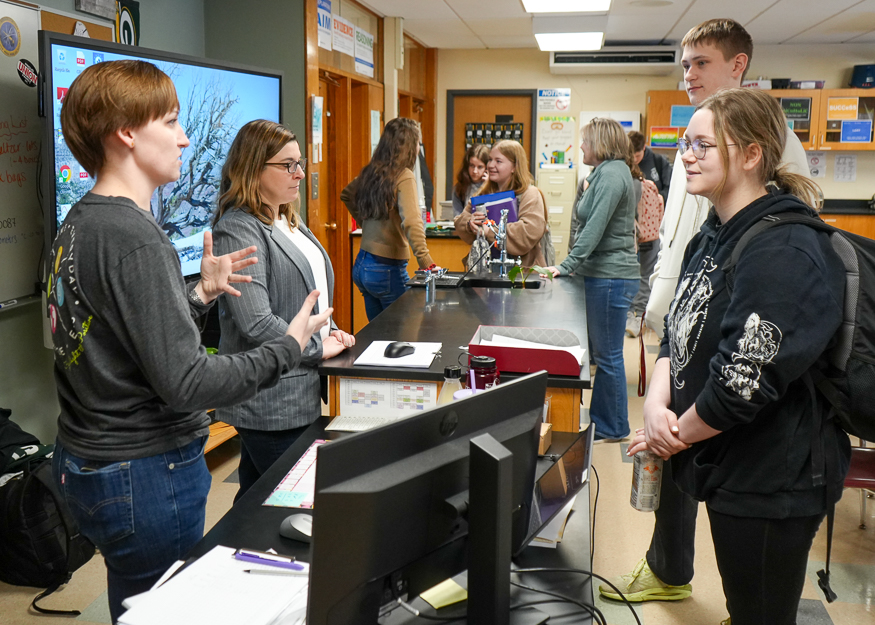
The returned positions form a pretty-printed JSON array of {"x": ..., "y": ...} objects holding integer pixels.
[
  {"x": 331, "y": 347},
  {"x": 218, "y": 272},
  {"x": 305, "y": 324}
]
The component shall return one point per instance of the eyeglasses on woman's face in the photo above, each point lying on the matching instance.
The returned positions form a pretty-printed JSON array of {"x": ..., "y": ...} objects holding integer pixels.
[
  {"x": 699, "y": 147},
  {"x": 292, "y": 166}
]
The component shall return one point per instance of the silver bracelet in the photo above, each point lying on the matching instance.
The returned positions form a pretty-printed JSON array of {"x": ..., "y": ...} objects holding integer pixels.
[{"x": 194, "y": 297}]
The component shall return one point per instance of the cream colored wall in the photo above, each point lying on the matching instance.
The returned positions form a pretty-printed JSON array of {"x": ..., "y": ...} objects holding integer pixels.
[{"x": 530, "y": 69}]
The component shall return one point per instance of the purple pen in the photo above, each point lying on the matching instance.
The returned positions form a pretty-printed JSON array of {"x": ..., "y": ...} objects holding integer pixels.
[{"x": 245, "y": 557}]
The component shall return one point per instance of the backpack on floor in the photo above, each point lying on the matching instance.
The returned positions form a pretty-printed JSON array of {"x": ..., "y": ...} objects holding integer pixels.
[
  {"x": 849, "y": 383},
  {"x": 40, "y": 543}
]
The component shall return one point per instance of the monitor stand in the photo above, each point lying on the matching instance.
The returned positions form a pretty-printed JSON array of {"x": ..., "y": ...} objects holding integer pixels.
[{"x": 489, "y": 533}]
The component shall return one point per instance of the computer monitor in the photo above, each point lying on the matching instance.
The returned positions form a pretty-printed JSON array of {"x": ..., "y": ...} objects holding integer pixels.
[
  {"x": 215, "y": 100},
  {"x": 391, "y": 509}
]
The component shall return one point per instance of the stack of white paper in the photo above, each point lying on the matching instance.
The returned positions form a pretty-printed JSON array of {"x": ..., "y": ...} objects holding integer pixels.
[
  {"x": 215, "y": 590},
  {"x": 421, "y": 358}
]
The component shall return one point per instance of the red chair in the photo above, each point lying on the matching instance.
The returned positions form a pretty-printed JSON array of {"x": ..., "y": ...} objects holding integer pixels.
[{"x": 862, "y": 476}]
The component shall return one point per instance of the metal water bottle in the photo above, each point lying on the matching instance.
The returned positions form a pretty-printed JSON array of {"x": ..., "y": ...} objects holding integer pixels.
[{"x": 646, "y": 481}]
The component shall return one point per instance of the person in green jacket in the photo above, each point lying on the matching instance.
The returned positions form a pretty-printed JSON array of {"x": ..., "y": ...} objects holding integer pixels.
[{"x": 604, "y": 258}]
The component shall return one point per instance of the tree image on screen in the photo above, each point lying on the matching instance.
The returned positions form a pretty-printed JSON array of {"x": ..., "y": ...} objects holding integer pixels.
[{"x": 184, "y": 208}]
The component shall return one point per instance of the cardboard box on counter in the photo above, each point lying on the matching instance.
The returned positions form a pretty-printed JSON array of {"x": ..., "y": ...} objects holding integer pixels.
[{"x": 546, "y": 438}]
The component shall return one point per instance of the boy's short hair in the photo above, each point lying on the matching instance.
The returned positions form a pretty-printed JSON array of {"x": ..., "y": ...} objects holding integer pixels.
[
  {"x": 726, "y": 35},
  {"x": 637, "y": 140},
  {"x": 108, "y": 97}
]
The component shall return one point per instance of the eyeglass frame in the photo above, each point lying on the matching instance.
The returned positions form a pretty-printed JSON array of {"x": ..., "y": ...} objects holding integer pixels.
[
  {"x": 292, "y": 166},
  {"x": 684, "y": 145}
]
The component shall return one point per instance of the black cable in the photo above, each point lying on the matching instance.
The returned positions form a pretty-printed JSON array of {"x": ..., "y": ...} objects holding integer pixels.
[
  {"x": 582, "y": 572},
  {"x": 593, "y": 611},
  {"x": 595, "y": 505}
]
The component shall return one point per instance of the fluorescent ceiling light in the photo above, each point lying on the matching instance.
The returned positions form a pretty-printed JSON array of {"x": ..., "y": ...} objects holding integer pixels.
[
  {"x": 566, "y": 6},
  {"x": 549, "y": 42}
]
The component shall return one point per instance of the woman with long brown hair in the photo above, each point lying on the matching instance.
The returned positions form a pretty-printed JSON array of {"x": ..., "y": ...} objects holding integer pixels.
[
  {"x": 470, "y": 177},
  {"x": 384, "y": 200},
  {"x": 258, "y": 207}
]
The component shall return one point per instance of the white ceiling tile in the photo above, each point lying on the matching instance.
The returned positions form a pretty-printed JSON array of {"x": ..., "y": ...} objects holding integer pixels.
[
  {"x": 504, "y": 23},
  {"x": 443, "y": 33}
]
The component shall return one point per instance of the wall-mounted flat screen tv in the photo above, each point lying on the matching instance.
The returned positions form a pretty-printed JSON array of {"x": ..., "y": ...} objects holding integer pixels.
[{"x": 215, "y": 100}]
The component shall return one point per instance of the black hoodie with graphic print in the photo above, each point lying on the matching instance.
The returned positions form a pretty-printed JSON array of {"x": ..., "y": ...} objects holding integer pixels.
[{"x": 739, "y": 354}]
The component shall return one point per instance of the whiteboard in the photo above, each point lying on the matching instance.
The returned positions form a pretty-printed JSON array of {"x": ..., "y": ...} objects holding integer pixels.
[{"x": 21, "y": 219}]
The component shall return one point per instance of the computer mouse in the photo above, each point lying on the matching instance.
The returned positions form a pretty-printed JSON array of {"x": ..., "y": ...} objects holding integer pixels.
[
  {"x": 398, "y": 349},
  {"x": 297, "y": 527}
]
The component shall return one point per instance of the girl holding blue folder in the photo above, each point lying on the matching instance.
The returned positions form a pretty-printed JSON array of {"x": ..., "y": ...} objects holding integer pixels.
[{"x": 508, "y": 170}]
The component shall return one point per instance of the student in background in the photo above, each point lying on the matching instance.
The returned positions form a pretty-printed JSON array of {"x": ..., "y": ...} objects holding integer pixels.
[
  {"x": 471, "y": 176},
  {"x": 258, "y": 207},
  {"x": 604, "y": 258},
  {"x": 649, "y": 213},
  {"x": 736, "y": 417},
  {"x": 384, "y": 200},
  {"x": 655, "y": 167},
  {"x": 508, "y": 170},
  {"x": 716, "y": 55},
  {"x": 133, "y": 379}
]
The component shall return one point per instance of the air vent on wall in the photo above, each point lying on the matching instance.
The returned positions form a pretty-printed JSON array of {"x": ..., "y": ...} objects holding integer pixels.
[{"x": 652, "y": 60}]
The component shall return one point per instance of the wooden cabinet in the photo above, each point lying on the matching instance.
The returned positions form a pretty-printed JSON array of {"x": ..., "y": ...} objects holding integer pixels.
[
  {"x": 863, "y": 225},
  {"x": 823, "y": 119}
]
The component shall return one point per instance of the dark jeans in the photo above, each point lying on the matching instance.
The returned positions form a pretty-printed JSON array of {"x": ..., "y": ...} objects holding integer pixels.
[
  {"x": 647, "y": 254},
  {"x": 380, "y": 280},
  {"x": 259, "y": 449},
  {"x": 673, "y": 546},
  {"x": 762, "y": 563},
  {"x": 142, "y": 514}
]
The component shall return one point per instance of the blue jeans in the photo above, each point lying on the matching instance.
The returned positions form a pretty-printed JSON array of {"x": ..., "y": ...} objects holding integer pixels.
[
  {"x": 380, "y": 280},
  {"x": 607, "y": 302},
  {"x": 142, "y": 514},
  {"x": 259, "y": 449}
]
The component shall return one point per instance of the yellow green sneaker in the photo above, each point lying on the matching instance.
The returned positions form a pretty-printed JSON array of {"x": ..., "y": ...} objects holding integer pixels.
[{"x": 643, "y": 585}]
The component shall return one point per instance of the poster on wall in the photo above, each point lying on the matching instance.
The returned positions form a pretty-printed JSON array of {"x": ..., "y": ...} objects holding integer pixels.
[
  {"x": 342, "y": 35},
  {"x": 817, "y": 164},
  {"x": 554, "y": 100},
  {"x": 364, "y": 52},
  {"x": 127, "y": 22},
  {"x": 556, "y": 142},
  {"x": 664, "y": 137},
  {"x": 845, "y": 168},
  {"x": 323, "y": 18}
]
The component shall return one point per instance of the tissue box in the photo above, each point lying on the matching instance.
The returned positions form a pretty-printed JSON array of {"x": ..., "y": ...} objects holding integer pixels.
[
  {"x": 546, "y": 438},
  {"x": 522, "y": 360}
]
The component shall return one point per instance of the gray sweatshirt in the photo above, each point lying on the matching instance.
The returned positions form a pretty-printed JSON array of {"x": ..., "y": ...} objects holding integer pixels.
[{"x": 133, "y": 379}]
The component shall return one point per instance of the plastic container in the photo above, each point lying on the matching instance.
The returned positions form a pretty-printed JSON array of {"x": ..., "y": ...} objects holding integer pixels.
[
  {"x": 486, "y": 373},
  {"x": 452, "y": 383},
  {"x": 646, "y": 481}
]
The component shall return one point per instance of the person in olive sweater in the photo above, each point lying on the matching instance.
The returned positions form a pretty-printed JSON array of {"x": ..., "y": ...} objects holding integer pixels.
[
  {"x": 383, "y": 199},
  {"x": 604, "y": 258}
]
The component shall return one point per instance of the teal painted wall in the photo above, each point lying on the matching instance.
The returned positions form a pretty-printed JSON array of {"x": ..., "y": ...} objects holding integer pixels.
[{"x": 267, "y": 34}]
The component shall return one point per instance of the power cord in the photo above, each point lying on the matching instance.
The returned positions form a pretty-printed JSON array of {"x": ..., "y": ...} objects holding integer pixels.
[
  {"x": 582, "y": 572},
  {"x": 593, "y": 611},
  {"x": 595, "y": 505}
]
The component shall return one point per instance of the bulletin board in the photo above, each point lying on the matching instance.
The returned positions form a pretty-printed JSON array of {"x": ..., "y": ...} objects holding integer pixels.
[
  {"x": 21, "y": 218},
  {"x": 476, "y": 105}
]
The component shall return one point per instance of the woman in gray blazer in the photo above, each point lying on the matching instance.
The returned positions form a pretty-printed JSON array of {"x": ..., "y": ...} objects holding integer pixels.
[{"x": 258, "y": 206}]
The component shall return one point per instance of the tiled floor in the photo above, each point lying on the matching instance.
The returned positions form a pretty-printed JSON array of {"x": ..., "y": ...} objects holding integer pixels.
[{"x": 622, "y": 537}]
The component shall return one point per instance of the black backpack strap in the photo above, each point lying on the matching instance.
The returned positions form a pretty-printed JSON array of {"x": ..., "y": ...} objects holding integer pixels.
[{"x": 74, "y": 556}]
